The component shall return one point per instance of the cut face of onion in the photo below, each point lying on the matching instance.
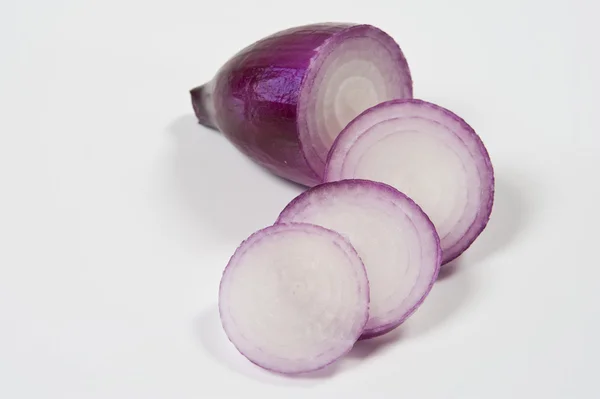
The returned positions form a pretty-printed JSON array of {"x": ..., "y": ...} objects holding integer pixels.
[
  {"x": 294, "y": 298},
  {"x": 428, "y": 153},
  {"x": 395, "y": 239},
  {"x": 356, "y": 69}
]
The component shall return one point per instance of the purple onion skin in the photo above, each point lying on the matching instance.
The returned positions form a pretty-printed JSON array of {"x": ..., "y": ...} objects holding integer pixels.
[{"x": 253, "y": 98}]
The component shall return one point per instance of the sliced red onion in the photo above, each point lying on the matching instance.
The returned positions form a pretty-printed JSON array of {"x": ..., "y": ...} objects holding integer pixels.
[
  {"x": 355, "y": 70},
  {"x": 294, "y": 298},
  {"x": 282, "y": 100},
  {"x": 428, "y": 153},
  {"x": 395, "y": 239}
]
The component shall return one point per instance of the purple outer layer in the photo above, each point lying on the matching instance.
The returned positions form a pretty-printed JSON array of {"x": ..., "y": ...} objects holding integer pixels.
[
  {"x": 483, "y": 216},
  {"x": 309, "y": 228},
  {"x": 343, "y": 186},
  {"x": 256, "y": 96}
]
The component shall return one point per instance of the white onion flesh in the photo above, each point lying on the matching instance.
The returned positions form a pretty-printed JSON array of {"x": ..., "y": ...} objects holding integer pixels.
[
  {"x": 396, "y": 241},
  {"x": 427, "y": 153},
  {"x": 354, "y": 72},
  {"x": 294, "y": 298}
]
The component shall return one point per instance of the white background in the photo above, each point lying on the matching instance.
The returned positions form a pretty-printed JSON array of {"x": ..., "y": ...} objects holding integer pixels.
[{"x": 118, "y": 212}]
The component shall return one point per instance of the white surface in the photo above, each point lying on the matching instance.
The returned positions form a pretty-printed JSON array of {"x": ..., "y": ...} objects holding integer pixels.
[{"x": 118, "y": 212}]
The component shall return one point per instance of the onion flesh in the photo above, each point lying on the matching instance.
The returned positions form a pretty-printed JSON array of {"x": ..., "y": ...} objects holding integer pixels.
[
  {"x": 428, "y": 153},
  {"x": 395, "y": 239},
  {"x": 294, "y": 298}
]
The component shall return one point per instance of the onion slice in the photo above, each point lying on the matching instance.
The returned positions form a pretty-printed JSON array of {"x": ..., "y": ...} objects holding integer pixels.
[
  {"x": 294, "y": 298},
  {"x": 395, "y": 239},
  {"x": 428, "y": 153}
]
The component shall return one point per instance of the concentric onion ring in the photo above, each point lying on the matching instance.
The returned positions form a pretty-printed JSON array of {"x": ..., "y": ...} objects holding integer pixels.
[
  {"x": 294, "y": 298},
  {"x": 429, "y": 154},
  {"x": 395, "y": 239}
]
